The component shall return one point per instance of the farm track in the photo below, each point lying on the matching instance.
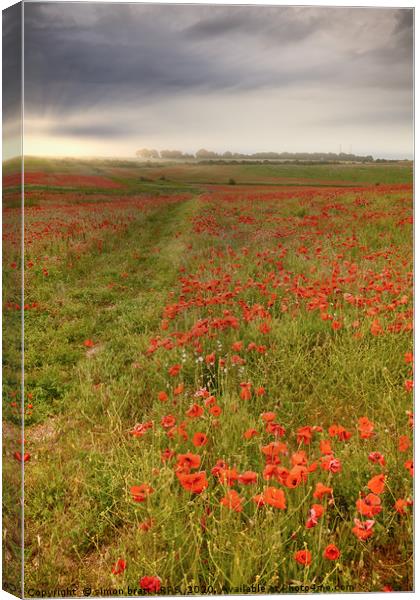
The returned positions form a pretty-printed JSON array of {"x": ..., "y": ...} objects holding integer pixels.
[{"x": 60, "y": 443}]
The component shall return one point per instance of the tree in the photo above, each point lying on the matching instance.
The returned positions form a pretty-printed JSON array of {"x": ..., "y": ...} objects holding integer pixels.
[
  {"x": 171, "y": 154},
  {"x": 146, "y": 153},
  {"x": 203, "y": 153}
]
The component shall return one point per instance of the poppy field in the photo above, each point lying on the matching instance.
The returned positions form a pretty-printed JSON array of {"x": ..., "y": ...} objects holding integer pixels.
[{"x": 218, "y": 378}]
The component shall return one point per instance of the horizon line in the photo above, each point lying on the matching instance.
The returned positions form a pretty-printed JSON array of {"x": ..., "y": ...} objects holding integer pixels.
[{"x": 140, "y": 159}]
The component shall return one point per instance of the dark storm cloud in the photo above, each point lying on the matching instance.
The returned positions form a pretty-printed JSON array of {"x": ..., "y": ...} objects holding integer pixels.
[
  {"x": 118, "y": 53},
  {"x": 99, "y": 130},
  {"x": 12, "y": 63},
  {"x": 188, "y": 76},
  {"x": 397, "y": 49},
  {"x": 83, "y": 54},
  {"x": 12, "y": 81},
  {"x": 275, "y": 24},
  {"x": 405, "y": 22}
]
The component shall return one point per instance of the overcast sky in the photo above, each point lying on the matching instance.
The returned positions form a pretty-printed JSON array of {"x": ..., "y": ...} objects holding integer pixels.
[{"x": 107, "y": 79}]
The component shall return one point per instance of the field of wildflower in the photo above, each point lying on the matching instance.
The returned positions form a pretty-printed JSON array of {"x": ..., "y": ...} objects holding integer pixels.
[{"x": 218, "y": 378}]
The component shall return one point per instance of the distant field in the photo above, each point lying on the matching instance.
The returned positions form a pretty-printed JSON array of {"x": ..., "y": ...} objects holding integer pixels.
[
  {"x": 190, "y": 173},
  {"x": 285, "y": 174},
  {"x": 218, "y": 376}
]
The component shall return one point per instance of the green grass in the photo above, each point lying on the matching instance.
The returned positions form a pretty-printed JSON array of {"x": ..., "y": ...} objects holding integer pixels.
[
  {"x": 281, "y": 174},
  {"x": 131, "y": 172}
]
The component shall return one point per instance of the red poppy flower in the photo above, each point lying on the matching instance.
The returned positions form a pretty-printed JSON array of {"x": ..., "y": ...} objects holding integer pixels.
[
  {"x": 401, "y": 506},
  {"x": 377, "y": 457},
  {"x": 119, "y": 567},
  {"x": 365, "y": 428},
  {"x": 409, "y": 385},
  {"x": 340, "y": 432},
  {"x": 369, "y": 506},
  {"x": 250, "y": 433},
  {"x": 303, "y": 557},
  {"x": 332, "y": 464},
  {"x": 377, "y": 484},
  {"x": 315, "y": 513},
  {"x": 404, "y": 443},
  {"x": 409, "y": 465},
  {"x": 219, "y": 466},
  {"x": 268, "y": 416},
  {"x": 245, "y": 391},
  {"x": 363, "y": 529},
  {"x": 199, "y": 439},
  {"x": 299, "y": 458},
  {"x": 179, "y": 431},
  {"x": 18, "y": 456},
  {"x": 210, "y": 401},
  {"x": 304, "y": 434},
  {"x": 189, "y": 460},
  {"x": 325, "y": 447},
  {"x": 146, "y": 525},
  {"x": 193, "y": 482},
  {"x": 228, "y": 476},
  {"x": 265, "y": 327},
  {"x": 274, "y": 449},
  {"x": 174, "y": 370},
  {"x": 296, "y": 476},
  {"x": 150, "y": 584},
  {"x": 139, "y": 493},
  {"x": 163, "y": 396},
  {"x": 237, "y": 360},
  {"x": 321, "y": 490},
  {"x": 275, "y": 429},
  {"x": 179, "y": 389},
  {"x": 276, "y": 472},
  {"x": 331, "y": 552},
  {"x": 211, "y": 358},
  {"x": 195, "y": 411},
  {"x": 272, "y": 496},
  {"x": 376, "y": 327},
  {"x": 248, "y": 477},
  {"x": 408, "y": 357},
  {"x": 233, "y": 501},
  {"x": 168, "y": 421},
  {"x": 140, "y": 429},
  {"x": 215, "y": 410}
]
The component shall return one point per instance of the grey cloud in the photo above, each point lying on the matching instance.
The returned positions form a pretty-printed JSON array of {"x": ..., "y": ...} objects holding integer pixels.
[
  {"x": 279, "y": 25},
  {"x": 373, "y": 117},
  {"x": 81, "y": 55},
  {"x": 122, "y": 60},
  {"x": 121, "y": 54},
  {"x": 99, "y": 126},
  {"x": 94, "y": 130},
  {"x": 12, "y": 63},
  {"x": 404, "y": 23}
]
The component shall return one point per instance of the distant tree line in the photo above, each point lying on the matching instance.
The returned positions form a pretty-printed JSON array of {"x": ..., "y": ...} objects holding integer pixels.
[
  {"x": 204, "y": 154},
  {"x": 150, "y": 154}
]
